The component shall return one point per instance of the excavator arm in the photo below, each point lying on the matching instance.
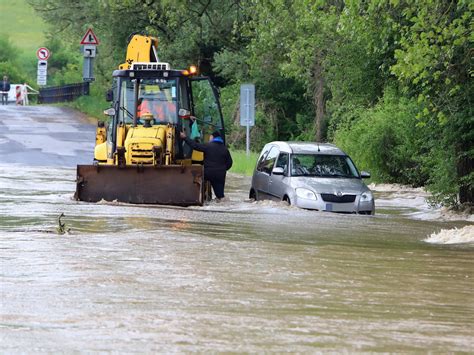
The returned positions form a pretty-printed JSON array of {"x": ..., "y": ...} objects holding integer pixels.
[{"x": 140, "y": 49}]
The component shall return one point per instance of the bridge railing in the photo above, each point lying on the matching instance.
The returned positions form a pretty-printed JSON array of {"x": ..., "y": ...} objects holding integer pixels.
[{"x": 62, "y": 93}]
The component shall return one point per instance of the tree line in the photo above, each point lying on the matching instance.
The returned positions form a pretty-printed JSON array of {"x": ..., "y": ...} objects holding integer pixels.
[{"x": 389, "y": 81}]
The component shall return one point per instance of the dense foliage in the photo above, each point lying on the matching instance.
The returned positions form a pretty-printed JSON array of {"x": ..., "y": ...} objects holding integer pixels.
[{"x": 388, "y": 80}]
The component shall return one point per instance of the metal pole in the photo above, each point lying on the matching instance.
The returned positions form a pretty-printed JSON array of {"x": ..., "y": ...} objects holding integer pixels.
[
  {"x": 248, "y": 138},
  {"x": 248, "y": 119}
]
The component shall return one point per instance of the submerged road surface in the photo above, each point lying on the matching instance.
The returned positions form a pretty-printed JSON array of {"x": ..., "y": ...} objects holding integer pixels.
[{"x": 228, "y": 277}]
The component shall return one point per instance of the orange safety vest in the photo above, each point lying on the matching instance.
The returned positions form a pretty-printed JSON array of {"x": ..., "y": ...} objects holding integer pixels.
[{"x": 160, "y": 111}]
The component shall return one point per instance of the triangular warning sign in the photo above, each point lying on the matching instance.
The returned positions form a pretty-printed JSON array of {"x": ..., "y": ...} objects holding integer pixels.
[{"x": 90, "y": 38}]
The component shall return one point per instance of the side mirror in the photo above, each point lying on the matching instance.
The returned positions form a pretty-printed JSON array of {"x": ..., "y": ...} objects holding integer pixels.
[
  {"x": 110, "y": 112},
  {"x": 278, "y": 171},
  {"x": 364, "y": 175},
  {"x": 109, "y": 95},
  {"x": 183, "y": 113}
]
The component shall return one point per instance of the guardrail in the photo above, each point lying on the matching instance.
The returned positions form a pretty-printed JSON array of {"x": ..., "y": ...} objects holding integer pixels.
[{"x": 63, "y": 93}]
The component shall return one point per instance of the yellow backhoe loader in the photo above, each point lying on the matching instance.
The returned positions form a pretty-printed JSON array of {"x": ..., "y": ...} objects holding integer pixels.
[{"x": 139, "y": 156}]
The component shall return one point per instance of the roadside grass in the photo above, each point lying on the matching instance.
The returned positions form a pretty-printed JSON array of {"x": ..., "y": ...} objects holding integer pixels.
[
  {"x": 92, "y": 105},
  {"x": 22, "y": 25},
  {"x": 243, "y": 164}
]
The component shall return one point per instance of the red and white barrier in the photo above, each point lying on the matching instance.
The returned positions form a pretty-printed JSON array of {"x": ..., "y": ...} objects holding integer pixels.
[{"x": 18, "y": 95}]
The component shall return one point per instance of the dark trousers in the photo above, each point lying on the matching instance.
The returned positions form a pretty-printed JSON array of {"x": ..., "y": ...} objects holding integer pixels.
[
  {"x": 5, "y": 99},
  {"x": 217, "y": 180}
]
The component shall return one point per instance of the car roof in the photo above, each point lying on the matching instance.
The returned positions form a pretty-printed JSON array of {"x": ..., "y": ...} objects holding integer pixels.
[{"x": 307, "y": 148}]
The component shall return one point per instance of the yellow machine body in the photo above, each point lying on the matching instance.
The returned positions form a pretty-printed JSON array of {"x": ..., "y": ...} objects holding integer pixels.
[{"x": 139, "y": 157}]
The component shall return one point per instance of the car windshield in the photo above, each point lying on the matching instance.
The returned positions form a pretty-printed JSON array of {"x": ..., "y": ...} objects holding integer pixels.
[{"x": 323, "y": 165}]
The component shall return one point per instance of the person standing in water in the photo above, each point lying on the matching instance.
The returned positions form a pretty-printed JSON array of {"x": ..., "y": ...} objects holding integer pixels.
[{"x": 217, "y": 160}]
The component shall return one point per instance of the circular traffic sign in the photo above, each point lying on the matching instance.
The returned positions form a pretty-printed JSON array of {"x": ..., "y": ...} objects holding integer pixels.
[{"x": 43, "y": 53}]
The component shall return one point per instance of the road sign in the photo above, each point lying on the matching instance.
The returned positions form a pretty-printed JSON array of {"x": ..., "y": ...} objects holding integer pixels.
[
  {"x": 89, "y": 50},
  {"x": 247, "y": 105},
  {"x": 43, "y": 53},
  {"x": 90, "y": 38},
  {"x": 42, "y": 72},
  {"x": 247, "y": 110}
]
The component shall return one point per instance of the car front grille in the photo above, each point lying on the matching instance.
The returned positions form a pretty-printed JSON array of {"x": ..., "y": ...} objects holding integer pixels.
[{"x": 340, "y": 199}]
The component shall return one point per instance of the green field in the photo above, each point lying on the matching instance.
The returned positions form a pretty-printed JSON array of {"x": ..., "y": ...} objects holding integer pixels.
[{"x": 22, "y": 25}]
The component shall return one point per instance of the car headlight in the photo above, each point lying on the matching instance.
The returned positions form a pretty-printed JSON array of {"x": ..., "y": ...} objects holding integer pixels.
[
  {"x": 305, "y": 193},
  {"x": 366, "y": 196}
]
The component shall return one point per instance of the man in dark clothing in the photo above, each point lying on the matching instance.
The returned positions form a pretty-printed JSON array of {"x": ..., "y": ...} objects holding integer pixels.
[
  {"x": 217, "y": 161},
  {"x": 5, "y": 88}
]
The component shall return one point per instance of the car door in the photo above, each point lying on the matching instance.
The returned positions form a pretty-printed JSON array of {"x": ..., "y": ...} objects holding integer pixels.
[
  {"x": 258, "y": 178},
  {"x": 267, "y": 168},
  {"x": 277, "y": 183},
  {"x": 263, "y": 171}
]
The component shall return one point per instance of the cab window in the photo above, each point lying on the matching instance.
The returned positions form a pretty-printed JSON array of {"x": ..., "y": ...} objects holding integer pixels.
[
  {"x": 205, "y": 105},
  {"x": 157, "y": 99},
  {"x": 127, "y": 101}
]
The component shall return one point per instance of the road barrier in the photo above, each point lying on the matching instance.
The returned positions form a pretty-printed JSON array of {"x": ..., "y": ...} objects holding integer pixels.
[
  {"x": 63, "y": 93},
  {"x": 19, "y": 93},
  {"x": 19, "y": 96}
]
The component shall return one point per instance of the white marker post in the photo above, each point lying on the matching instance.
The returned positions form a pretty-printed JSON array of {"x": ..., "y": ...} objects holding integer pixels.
[{"x": 247, "y": 110}]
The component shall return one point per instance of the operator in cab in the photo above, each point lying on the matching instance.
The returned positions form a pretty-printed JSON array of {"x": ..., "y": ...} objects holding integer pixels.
[
  {"x": 217, "y": 160},
  {"x": 163, "y": 110}
]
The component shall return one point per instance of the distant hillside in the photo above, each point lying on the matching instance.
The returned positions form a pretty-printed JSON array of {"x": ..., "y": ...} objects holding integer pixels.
[{"x": 22, "y": 25}]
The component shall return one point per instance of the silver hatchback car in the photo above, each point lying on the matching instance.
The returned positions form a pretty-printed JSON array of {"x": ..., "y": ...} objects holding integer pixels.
[{"x": 316, "y": 176}]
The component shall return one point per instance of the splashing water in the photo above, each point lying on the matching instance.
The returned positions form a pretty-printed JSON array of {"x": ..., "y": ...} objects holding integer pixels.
[{"x": 452, "y": 236}]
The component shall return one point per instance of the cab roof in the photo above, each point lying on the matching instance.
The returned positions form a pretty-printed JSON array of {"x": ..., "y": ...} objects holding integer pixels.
[
  {"x": 165, "y": 74},
  {"x": 294, "y": 147}
]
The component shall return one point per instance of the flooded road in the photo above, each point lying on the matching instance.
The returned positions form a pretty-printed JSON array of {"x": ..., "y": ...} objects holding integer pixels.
[{"x": 229, "y": 277}]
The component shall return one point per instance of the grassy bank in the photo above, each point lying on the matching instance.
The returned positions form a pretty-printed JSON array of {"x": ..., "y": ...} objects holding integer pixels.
[
  {"x": 243, "y": 164},
  {"x": 92, "y": 105}
]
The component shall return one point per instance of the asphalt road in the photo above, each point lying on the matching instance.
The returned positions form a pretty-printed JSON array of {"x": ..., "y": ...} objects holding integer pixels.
[{"x": 45, "y": 136}]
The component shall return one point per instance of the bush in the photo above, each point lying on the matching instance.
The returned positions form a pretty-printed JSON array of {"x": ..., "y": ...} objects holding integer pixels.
[
  {"x": 8, "y": 52},
  {"x": 387, "y": 141},
  {"x": 442, "y": 166},
  {"x": 14, "y": 73}
]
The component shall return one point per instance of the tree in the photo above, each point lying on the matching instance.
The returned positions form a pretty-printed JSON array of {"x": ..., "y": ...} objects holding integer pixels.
[{"x": 434, "y": 65}]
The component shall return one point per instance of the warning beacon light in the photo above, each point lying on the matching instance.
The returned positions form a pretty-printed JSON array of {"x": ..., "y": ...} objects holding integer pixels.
[{"x": 192, "y": 70}]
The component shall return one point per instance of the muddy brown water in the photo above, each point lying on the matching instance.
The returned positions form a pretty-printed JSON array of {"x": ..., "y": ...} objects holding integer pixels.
[{"x": 237, "y": 276}]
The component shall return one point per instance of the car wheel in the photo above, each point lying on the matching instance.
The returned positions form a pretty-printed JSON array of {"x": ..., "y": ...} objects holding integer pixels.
[
  {"x": 253, "y": 195},
  {"x": 287, "y": 200}
]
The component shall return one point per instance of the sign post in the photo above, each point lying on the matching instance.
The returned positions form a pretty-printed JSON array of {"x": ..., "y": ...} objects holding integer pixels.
[
  {"x": 247, "y": 110},
  {"x": 42, "y": 54},
  {"x": 89, "y": 44}
]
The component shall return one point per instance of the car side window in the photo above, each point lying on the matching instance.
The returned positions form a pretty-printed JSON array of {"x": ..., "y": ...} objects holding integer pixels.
[
  {"x": 260, "y": 162},
  {"x": 269, "y": 161},
  {"x": 282, "y": 162}
]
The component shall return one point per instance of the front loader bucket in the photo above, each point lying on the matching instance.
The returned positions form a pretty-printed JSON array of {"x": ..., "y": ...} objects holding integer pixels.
[{"x": 165, "y": 185}]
